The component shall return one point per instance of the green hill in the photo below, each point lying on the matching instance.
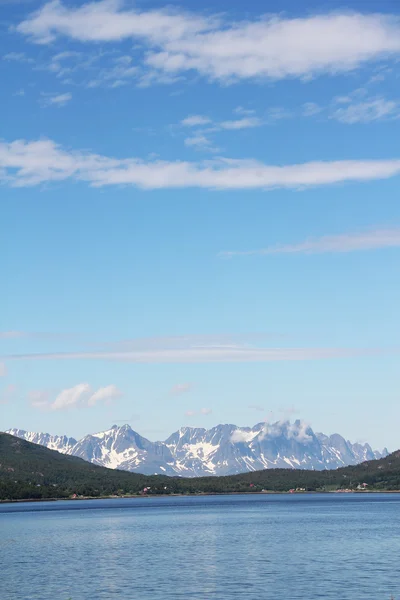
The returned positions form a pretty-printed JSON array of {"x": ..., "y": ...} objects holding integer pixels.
[{"x": 30, "y": 471}]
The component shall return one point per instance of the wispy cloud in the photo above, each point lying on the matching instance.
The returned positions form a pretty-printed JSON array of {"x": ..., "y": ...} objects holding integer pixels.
[
  {"x": 370, "y": 109},
  {"x": 79, "y": 396},
  {"x": 39, "y": 398},
  {"x": 257, "y": 407},
  {"x": 248, "y": 120},
  {"x": 200, "y": 142},
  {"x": 244, "y": 123},
  {"x": 104, "y": 394},
  {"x": 38, "y": 335},
  {"x": 241, "y": 110},
  {"x": 68, "y": 398},
  {"x": 83, "y": 69},
  {"x": 348, "y": 242},
  {"x": 195, "y": 120},
  {"x": 182, "y": 342},
  {"x": 11, "y": 335},
  {"x": 59, "y": 100},
  {"x": 180, "y": 388},
  {"x": 8, "y": 394},
  {"x": 198, "y": 413},
  {"x": 61, "y": 56},
  {"x": 121, "y": 72},
  {"x": 18, "y": 57},
  {"x": 133, "y": 417},
  {"x": 3, "y": 370},
  {"x": 207, "y": 355},
  {"x": 266, "y": 47},
  {"x": 205, "y": 126},
  {"x": 24, "y": 163},
  {"x": 310, "y": 109}
]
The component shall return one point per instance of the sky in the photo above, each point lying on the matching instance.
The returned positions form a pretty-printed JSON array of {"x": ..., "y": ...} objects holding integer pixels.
[{"x": 200, "y": 217}]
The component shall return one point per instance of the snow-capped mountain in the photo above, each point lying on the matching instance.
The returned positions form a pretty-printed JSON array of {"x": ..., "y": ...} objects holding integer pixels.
[
  {"x": 123, "y": 448},
  {"x": 222, "y": 450},
  {"x": 61, "y": 443}
]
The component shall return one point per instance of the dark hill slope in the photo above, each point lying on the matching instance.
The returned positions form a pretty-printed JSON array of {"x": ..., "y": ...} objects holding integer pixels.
[{"x": 31, "y": 471}]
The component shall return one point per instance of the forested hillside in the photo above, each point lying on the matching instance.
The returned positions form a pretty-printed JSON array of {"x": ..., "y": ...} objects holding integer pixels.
[{"x": 30, "y": 471}]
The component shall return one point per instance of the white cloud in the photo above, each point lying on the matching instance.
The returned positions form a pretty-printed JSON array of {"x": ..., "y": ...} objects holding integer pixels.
[
  {"x": 366, "y": 111},
  {"x": 299, "y": 431},
  {"x": 24, "y": 163},
  {"x": 195, "y": 120},
  {"x": 3, "y": 370},
  {"x": 106, "y": 21},
  {"x": 350, "y": 242},
  {"x": 206, "y": 411},
  {"x": 267, "y": 47},
  {"x": 239, "y": 436},
  {"x": 180, "y": 388},
  {"x": 56, "y": 99},
  {"x": 70, "y": 397},
  {"x": 245, "y": 123},
  {"x": 104, "y": 394},
  {"x": 78, "y": 396}
]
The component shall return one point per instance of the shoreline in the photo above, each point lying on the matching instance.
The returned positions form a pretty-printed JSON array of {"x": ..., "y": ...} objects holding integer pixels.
[{"x": 139, "y": 496}]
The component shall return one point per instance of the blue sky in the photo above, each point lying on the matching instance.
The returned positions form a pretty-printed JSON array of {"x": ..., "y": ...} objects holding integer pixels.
[{"x": 199, "y": 217}]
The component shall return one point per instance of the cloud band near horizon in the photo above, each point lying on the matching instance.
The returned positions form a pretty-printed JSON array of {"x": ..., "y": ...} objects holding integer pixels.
[{"x": 207, "y": 355}]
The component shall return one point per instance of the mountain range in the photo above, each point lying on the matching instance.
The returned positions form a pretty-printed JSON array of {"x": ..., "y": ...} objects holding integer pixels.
[
  {"x": 32, "y": 472},
  {"x": 222, "y": 450}
]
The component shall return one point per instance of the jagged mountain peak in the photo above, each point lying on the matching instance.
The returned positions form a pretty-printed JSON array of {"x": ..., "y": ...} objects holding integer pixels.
[
  {"x": 224, "y": 449},
  {"x": 61, "y": 443}
]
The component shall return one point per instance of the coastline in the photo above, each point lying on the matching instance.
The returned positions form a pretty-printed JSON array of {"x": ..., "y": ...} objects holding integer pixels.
[{"x": 148, "y": 496}]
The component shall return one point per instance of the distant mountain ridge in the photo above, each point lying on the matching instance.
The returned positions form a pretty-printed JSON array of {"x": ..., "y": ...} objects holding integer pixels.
[
  {"x": 30, "y": 471},
  {"x": 221, "y": 450}
]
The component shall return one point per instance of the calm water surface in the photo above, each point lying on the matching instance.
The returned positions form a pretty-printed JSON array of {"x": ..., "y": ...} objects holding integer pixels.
[{"x": 219, "y": 547}]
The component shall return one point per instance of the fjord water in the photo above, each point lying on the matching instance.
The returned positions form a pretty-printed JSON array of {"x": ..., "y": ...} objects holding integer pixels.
[{"x": 341, "y": 546}]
